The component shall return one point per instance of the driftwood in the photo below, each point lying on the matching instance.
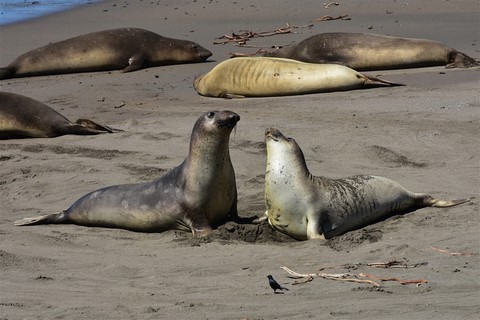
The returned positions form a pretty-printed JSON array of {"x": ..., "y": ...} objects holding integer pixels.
[{"x": 350, "y": 277}]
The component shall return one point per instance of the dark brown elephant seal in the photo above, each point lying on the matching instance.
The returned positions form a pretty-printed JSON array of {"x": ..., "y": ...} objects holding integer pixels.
[
  {"x": 365, "y": 51},
  {"x": 24, "y": 117},
  {"x": 127, "y": 49},
  {"x": 196, "y": 195},
  {"x": 304, "y": 206}
]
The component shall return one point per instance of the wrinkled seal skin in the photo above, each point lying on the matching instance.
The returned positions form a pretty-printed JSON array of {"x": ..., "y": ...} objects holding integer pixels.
[
  {"x": 24, "y": 117},
  {"x": 127, "y": 49},
  {"x": 307, "y": 207},
  {"x": 365, "y": 51},
  {"x": 196, "y": 195},
  {"x": 266, "y": 77}
]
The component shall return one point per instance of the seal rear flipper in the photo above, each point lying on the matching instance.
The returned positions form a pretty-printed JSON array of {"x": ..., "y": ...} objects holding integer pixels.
[
  {"x": 45, "y": 219},
  {"x": 376, "y": 82},
  {"x": 95, "y": 128},
  {"x": 458, "y": 60},
  {"x": 6, "y": 73},
  {"x": 428, "y": 201}
]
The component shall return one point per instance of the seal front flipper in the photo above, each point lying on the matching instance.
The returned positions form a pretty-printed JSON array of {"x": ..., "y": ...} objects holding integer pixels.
[
  {"x": 226, "y": 95},
  {"x": 134, "y": 63}
]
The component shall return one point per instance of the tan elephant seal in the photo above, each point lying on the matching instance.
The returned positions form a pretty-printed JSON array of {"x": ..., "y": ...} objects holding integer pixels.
[
  {"x": 126, "y": 49},
  {"x": 196, "y": 195},
  {"x": 24, "y": 117},
  {"x": 365, "y": 51},
  {"x": 267, "y": 77},
  {"x": 307, "y": 207}
]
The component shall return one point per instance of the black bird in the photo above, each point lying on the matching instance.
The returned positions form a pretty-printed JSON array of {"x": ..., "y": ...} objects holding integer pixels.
[{"x": 274, "y": 284}]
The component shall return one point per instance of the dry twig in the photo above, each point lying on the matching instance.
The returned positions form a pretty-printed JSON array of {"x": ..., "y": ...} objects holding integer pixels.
[
  {"x": 328, "y": 18},
  {"x": 403, "y": 282},
  {"x": 327, "y": 5}
]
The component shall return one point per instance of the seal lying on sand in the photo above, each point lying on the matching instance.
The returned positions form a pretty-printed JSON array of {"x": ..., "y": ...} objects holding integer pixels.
[
  {"x": 126, "y": 49},
  {"x": 265, "y": 77},
  {"x": 194, "y": 196},
  {"x": 365, "y": 51},
  {"x": 24, "y": 117},
  {"x": 307, "y": 207}
]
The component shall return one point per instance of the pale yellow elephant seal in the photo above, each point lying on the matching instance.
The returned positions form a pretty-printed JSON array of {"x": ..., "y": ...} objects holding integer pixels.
[
  {"x": 307, "y": 207},
  {"x": 269, "y": 77}
]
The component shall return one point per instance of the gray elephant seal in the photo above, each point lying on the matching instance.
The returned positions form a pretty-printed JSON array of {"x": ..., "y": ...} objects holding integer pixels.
[
  {"x": 364, "y": 51},
  {"x": 196, "y": 195},
  {"x": 127, "y": 49},
  {"x": 24, "y": 117},
  {"x": 307, "y": 207},
  {"x": 266, "y": 77}
]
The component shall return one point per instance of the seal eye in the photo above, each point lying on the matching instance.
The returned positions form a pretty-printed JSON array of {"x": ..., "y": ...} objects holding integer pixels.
[{"x": 210, "y": 114}]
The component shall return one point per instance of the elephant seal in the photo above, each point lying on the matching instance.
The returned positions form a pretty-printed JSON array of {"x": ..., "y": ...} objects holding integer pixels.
[
  {"x": 24, "y": 117},
  {"x": 196, "y": 195},
  {"x": 307, "y": 207},
  {"x": 126, "y": 49},
  {"x": 366, "y": 51},
  {"x": 265, "y": 77}
]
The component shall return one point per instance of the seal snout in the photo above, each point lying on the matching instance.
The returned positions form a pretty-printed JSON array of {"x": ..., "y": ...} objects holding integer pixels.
[
  {"x": 229, "y": 120},
  {"x": 274, "y": 134}
]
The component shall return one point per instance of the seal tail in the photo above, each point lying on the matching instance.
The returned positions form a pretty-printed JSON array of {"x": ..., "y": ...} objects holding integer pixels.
[
  {"x": 428, "y": 201},
  {"x": 375, "y": 82},
  {"x": 6, "y": 73},
  {"x": 45, "y": 219}
]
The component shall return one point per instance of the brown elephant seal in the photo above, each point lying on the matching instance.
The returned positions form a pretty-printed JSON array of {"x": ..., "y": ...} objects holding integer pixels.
[
  {"x": 266, "y": 77},
  {"x": 196, "y": 195},
  {"x": 127, "y": 49},
  {"x": 307, "y": 207},
  {"x": 365, "y": 51},
  {"x": 24, "y": 117}
]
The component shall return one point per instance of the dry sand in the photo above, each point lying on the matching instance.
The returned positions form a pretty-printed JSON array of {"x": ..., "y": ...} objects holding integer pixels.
[{"x": 424, "y": 135}]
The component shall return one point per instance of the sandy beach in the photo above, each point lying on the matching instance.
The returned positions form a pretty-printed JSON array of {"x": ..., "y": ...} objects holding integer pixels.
[{"x": 424, "y": 135}]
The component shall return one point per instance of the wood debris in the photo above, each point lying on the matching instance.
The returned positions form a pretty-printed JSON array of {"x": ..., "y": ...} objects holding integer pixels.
[
  {"x": 455, "y": 254},
  {"x": 359, "y": 278},
  {"x": 245, "y": 35},
  {"x": 329, "y": 18}
]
